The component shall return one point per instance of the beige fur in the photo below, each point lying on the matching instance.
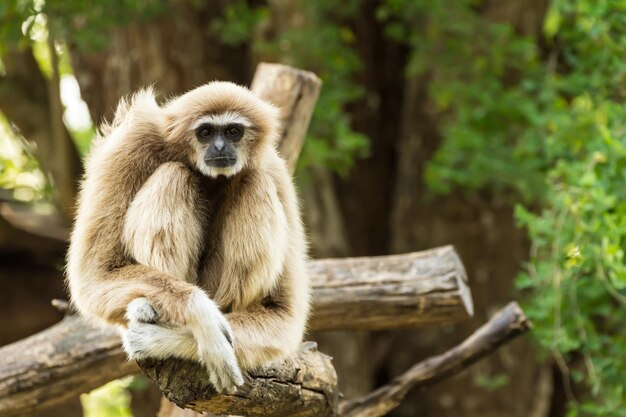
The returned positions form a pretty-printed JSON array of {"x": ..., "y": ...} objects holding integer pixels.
[
  {"x": 154, "y": 220},
  {"x": 170, "y": 196}
]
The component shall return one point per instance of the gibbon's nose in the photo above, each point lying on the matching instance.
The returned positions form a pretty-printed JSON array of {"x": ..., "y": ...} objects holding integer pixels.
[{"x": 219, "y": 144}]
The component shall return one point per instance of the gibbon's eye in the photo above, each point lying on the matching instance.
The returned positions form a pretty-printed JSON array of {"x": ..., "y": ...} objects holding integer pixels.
[
  {"x": 204, "y": 132},
  {"x": 233, "y": 132}
]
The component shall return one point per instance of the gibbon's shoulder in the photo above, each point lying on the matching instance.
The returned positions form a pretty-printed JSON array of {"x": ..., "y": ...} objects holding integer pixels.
[{"x": 137, "y": 128}]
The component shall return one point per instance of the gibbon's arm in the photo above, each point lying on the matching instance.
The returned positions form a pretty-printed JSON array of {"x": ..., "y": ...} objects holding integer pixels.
[
  {"x": 268, "y": 281},
  {"x": 102, "y": 277}
]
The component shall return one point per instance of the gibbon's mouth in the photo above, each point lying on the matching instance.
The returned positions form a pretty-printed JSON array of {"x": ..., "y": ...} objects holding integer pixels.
[{"x": 220, "y": 162}]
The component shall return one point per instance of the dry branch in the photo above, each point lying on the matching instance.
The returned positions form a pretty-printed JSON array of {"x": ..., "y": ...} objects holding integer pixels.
[
  {"x": 389, "y": 291},
  {"x": 384, "y": 292},
  {"x": 304, "y": 385},
  {"x": 508, "y": 323}
]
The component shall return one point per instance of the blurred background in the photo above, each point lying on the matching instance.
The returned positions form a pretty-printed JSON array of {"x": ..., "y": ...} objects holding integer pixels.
[{"x": 497, "y": 126}]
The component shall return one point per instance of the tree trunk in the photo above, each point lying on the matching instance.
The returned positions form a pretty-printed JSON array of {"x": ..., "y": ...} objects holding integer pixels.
[{"x": 175, "y": 52}]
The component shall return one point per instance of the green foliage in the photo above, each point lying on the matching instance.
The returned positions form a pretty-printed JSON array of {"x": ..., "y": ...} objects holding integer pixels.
[
  {"x": 470, "y": 65},
  {"x": 18, "y": 170},
  {"x": 84, "y": 23},
  {"x": 110, "y": 400},
  {"x": 491, "y": 382},
  {"x": 323, "y": 43},
  {"x": 239, "y": 22},
  {"x": 547, "y": 128}
]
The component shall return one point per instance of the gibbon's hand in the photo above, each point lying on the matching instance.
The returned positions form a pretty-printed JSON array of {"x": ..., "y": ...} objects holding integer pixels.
[
  {"x": 215, "y": 344},
  {"x": 207, "y": 339}
]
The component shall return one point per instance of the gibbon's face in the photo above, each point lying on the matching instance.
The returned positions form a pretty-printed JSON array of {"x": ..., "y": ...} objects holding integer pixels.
[
  {"x": 226, "y": 125},
  {"x": 221, "y": 143}
]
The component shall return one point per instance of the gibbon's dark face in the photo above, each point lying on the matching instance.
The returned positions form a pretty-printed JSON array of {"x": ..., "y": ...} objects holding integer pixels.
[
  {"x": 220, "y": 146},
  {"x": 221, "y": 151}
]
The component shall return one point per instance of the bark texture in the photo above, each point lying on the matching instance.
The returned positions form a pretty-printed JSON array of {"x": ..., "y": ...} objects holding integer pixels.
[
  {"x": 303, "y": 385},
  {"x": 386, "y": 292},
  {"x": 175, "y": 51},
  {"x": 55, "y": 365}
]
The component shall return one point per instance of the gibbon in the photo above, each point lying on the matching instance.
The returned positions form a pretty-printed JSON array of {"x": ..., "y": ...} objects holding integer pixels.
[{"x": 188, "y": 233}]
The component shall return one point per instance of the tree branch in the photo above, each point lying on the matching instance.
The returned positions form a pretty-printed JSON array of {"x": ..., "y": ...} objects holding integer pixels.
[
  {"x": 295, "y": 92},
  {"x": 304, "y": 385},
  {"x": 505, "y": 325}
]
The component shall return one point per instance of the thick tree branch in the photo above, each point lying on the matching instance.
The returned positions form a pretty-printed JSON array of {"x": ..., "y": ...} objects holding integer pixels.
[
  {"x": 305, "y": 385},
  {"x": 384, "y": 292},
  {"x": 73, "y": 357},
  {"x": 57, "y": 364}
]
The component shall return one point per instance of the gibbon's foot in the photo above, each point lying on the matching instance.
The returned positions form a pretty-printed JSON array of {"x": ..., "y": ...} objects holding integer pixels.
[
  {"x": 218, "y": 357},
  {"x": 140, "y": 310},
  {"x": 145, "y": 340}
]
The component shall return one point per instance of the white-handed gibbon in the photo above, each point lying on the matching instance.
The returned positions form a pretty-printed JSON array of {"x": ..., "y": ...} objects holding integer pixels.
[{"x": 188, "y": 233}]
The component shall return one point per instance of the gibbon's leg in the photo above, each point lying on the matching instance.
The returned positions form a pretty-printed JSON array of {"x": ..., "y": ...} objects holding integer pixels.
[{"x": 268, "y": 332}]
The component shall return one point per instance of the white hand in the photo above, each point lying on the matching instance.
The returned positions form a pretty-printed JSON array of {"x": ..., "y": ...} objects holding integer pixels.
[{"x": 214, "y": 337}]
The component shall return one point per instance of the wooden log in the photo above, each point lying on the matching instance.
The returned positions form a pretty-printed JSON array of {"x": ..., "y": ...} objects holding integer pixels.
[
  {"x": 57, "y": 363},
  {"x": 385, "y": 292},
  {"x": 295, "y": 93},
  {"x": 305, "y": 385}
]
